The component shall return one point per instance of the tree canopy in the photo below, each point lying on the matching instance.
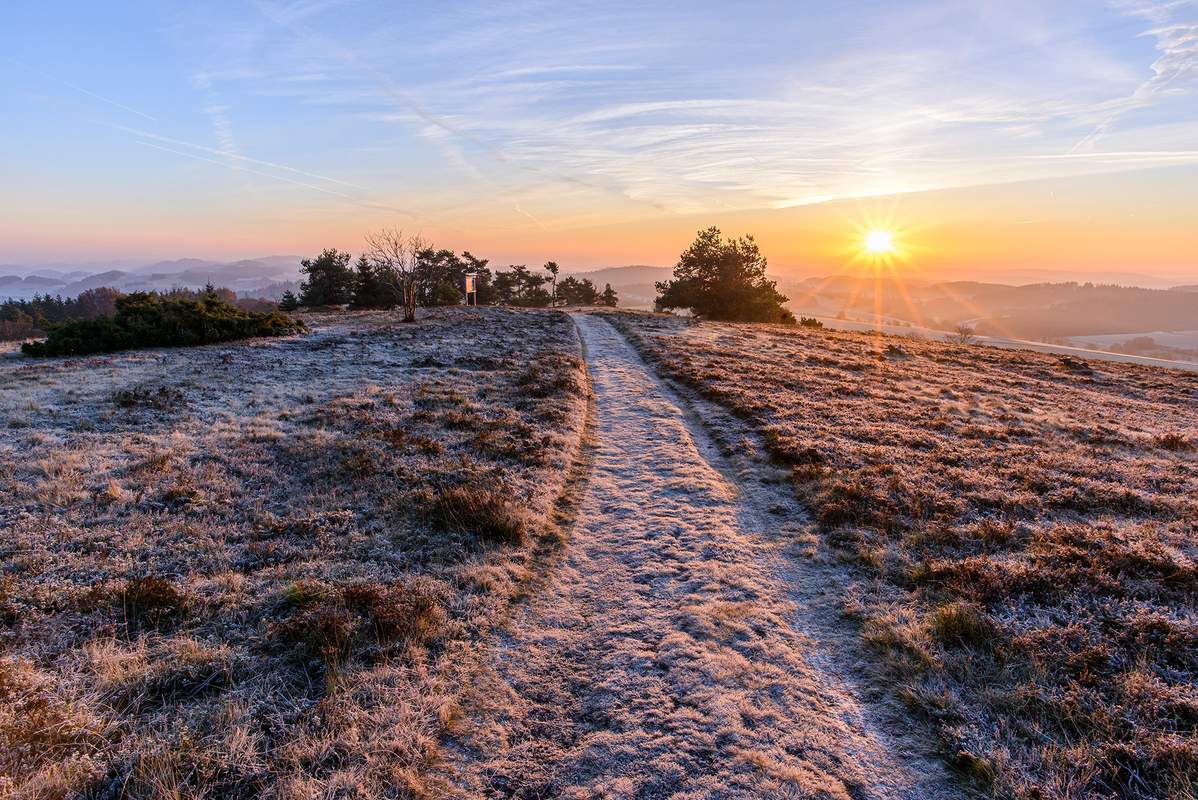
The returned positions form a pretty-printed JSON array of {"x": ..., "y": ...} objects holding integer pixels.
[
  {"x": 723, "y": 279},
  {"x": 330, "y": 280}
]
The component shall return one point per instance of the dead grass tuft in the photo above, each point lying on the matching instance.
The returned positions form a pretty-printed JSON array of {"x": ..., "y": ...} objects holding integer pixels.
[{"x": 487, "y": 514}]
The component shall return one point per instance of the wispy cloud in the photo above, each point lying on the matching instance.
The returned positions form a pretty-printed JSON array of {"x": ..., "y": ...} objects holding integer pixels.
[{"x": 561, "y": 113}]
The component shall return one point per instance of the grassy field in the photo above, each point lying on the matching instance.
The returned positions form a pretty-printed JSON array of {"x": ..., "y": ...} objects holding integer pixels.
[
  {"x": 265, "y": 567},
  {"x": 1023, "y": 529}
]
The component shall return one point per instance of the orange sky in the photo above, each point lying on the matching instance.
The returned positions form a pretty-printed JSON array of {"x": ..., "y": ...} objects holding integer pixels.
[{"x": 1133, "y": 222}]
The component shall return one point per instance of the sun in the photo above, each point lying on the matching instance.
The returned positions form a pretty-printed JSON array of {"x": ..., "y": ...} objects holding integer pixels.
[{"x": 879, "y": 243}]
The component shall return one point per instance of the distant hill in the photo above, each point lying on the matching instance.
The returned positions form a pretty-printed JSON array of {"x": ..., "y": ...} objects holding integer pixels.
[
  {"x": 248, "y": 277},
  {"x": 634, "y": 283},
  {"x": 1040, "y": 311}
]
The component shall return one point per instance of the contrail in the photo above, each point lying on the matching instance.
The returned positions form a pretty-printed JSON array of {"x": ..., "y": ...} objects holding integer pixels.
[
  {"x": 313, "y": 187},
  {"x": 235, "y": 156},
  {"x": 80, "y": 89}
]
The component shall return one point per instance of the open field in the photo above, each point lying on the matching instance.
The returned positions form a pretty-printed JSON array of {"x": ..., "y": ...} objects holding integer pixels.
[
  {"x": 1023, "y": 527},
  {"x": 264, "y": 568}
]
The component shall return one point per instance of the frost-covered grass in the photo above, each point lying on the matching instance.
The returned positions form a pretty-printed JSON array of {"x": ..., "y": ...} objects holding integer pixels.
[
  {"x": 1024, "y": 528},
  {"x": 264, "y": 568}
]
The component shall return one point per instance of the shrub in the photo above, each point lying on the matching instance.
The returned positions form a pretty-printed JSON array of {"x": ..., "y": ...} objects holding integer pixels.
[
  {"x": 149, "y": 320},
  {"x": 330, "y": 624},
  {"x": 160, "y": 397},
  {"x": 810, "y": 322}
]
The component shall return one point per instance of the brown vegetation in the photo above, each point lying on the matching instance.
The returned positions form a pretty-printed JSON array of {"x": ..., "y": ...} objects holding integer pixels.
[
  {"x": 1024, "y": 532},
  {"x": 264, "y": 568}
]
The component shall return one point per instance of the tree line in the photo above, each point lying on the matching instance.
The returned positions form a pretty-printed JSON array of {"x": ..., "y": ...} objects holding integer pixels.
[{"x": 398, "y": 270}]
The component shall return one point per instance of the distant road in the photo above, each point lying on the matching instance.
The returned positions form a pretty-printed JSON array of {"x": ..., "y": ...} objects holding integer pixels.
[{"x": 1012, "y": 344}]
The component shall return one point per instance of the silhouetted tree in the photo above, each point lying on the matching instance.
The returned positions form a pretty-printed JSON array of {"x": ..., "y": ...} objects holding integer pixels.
[
  {"x": 330, "y": 280},
  {"x": 288, "y": 302},
  {"x": 373, "y": 288},
  {"x": 723, "y": 279},
  {"x": 440, "y": 275},
  {"x": 574, "y": 292},
  {"x": 609, "y": 297},
  {"x": 507, "y": 286},
  {"x": 552, "y": 268}
]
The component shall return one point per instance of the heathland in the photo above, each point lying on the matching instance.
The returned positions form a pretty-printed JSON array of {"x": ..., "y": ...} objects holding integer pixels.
[
  {"x": 264, "y": 567},
  {"x": 1021, "y": 527},
  {"x": 515, "y": 553}
]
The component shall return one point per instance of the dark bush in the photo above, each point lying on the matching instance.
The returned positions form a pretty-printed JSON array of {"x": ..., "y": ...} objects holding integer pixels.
[{"x": 149, "y": 320}]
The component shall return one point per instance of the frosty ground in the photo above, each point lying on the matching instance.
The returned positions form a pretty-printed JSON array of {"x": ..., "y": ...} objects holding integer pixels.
[
  {"x": 513, "y": 554},
  {"x": 1022, "y": 528},
  {"x": 263, "y": 569}
]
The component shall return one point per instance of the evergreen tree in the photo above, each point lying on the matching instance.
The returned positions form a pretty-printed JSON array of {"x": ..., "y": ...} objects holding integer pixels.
[
  {"x": 507, "y": 286},
  {"x": 723, "y": 279},
  {"x": 574, "y": 292},
  {"x": 609, "y": 297},
  {"x": 374, "y": 286},
  {"x": 330, "y": 280},
  {"x": 552, "y": 268},
  {"x": 288, "y": 302}
]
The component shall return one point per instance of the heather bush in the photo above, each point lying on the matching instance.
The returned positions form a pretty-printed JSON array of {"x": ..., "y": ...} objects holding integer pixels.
[{"x": 151, "y": 320}]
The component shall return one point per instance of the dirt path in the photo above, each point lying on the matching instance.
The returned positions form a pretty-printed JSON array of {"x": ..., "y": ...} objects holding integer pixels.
[{"x": 662, "y": 657}]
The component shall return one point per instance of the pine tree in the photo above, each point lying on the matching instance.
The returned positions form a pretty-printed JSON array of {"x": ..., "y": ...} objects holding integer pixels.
[
  {"x": 288, "y": 302},
  {"x": 609, "y": 297},
  {"x": 330, "y": 280},
  {"x": 723, "y": 279}
]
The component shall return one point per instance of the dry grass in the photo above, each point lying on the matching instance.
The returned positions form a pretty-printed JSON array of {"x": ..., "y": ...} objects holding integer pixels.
[
  {"x": 265, "y": 568},
  {"x": 1024, "y": 529}
]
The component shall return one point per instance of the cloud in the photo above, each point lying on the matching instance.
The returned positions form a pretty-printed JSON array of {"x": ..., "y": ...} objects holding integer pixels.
[{"x": 556, "y": 111}]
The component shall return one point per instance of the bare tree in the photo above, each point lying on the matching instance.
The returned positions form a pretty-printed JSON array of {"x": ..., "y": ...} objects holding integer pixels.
[
  {"x": 964, "y": 334},
  {"x": 394, "y": 257}
]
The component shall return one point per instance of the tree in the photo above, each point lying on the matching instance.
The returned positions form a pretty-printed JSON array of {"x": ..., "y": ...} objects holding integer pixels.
[
  {"x": 507, "y": 286},
  {"x": 330, "y": 280},
  {"x": 440, "y": 274},
  {"x": 552, "y": 268},
  {"x": 609, "y": 297},
  {"x": 394, "y": 257},
  {"x": 372, "y": 288},
  {"x": 964, "y": 334},
  {"x": 288, "y": 302},
  {"x": 723, "y": 279},
  {"x": 575, "y": 292}
]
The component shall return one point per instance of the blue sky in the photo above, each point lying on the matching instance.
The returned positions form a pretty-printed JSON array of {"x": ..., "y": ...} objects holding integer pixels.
[{"x": 148, "y": 127}]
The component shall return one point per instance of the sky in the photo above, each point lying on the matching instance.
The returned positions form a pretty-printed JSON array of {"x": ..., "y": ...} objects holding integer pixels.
[{"x": 988, "y": 136}]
